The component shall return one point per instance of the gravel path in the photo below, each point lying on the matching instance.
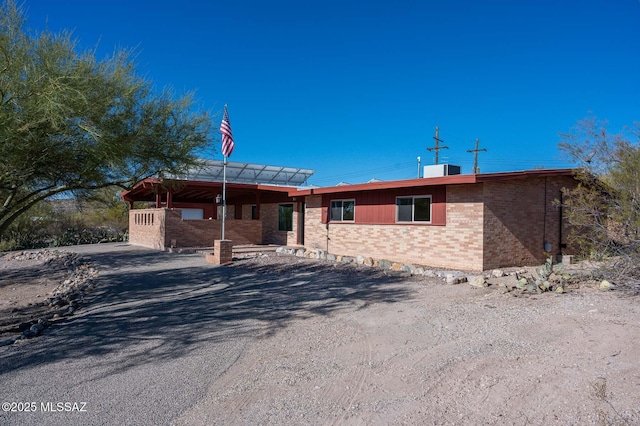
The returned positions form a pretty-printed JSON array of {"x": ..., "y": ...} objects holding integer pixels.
[
  {"x": 168, "y": 339},
  {"x": 149, "y": 342},
  {"x": 443, "y": 355}
]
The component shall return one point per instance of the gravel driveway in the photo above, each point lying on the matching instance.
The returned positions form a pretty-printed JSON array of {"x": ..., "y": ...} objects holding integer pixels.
[
  {"x": 169, "y": 339},
  {"x": 152, "y": 337}
]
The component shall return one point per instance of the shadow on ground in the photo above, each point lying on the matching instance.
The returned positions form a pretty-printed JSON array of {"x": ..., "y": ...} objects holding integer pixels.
[{"x": 145, "y": 311}]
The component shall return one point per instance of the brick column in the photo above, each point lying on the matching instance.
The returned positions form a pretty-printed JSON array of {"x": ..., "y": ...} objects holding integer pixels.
[{"x": 222, "y": 252}]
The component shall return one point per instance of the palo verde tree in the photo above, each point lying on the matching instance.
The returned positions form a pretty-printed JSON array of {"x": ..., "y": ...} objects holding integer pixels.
[
  {"x": 605, "y": 207},
  {"x": 72, "y": 123}
]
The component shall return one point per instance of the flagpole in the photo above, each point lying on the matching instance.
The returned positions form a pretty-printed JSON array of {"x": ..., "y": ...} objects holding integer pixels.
[
  {"x": 224, "y": 193},
  {"x": 227, "y": 149}
]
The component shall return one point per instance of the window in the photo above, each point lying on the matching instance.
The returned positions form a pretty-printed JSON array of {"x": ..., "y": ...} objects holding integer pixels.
[
  {"x": 254, "y": 212},
  {"x": 343, "y": 210},
  {"x": 192, "y": 214},
  {"x": 413, "y": 209},
  {"x": 285, "y": 217}
]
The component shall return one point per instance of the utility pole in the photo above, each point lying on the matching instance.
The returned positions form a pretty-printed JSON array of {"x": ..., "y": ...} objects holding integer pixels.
[
  {"x": 476, "y": 170},
  {"x": 437, "y": 147}
]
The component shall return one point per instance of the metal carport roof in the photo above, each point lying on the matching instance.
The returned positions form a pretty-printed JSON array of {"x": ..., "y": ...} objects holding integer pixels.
[{"x": 212, "y": 171}]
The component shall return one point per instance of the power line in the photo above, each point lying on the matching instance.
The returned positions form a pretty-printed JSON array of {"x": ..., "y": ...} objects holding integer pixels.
[
  {"x": 476, "y": 170},
  {"x": 437, "y": 148}
]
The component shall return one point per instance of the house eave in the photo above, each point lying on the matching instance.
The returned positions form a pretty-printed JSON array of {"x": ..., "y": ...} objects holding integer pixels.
[{"x": 433, "y": 181}]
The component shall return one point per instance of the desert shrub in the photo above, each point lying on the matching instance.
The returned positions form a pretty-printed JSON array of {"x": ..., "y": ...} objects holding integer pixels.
[
  {"x": 101, "y": 218},
  {"x": 604, "y": 209}
]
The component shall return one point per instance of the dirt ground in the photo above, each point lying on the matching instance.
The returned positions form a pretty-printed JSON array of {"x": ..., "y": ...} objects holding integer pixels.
[
  {"x": 432, "y": 353},
  {"x": 26, "y": 280}
]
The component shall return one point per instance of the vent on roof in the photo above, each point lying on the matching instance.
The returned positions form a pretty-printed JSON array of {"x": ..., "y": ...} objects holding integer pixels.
[{"x": 438, "y": 170}]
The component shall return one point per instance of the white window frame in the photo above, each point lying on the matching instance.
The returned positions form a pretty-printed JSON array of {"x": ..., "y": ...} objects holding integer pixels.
[
  {"x": 331, "y": 219},
  {"x": 413, "y": 209}
]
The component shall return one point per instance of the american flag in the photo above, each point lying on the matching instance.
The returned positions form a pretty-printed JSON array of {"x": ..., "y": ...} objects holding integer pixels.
[{"x": 227, "y": 136}]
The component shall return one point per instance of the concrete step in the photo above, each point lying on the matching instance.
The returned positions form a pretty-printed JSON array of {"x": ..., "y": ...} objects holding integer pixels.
[{"x": 239, "y": 249}]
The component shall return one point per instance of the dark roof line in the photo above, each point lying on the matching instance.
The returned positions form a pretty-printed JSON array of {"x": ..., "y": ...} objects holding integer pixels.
[{"x": 433, "y": 181}]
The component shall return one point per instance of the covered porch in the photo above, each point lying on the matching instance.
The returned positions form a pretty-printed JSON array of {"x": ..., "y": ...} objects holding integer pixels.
[{"x": 170, "y": 214}]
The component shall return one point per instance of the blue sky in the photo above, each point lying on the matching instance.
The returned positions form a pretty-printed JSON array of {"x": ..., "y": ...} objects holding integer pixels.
[{"x": 355, "y": 89}]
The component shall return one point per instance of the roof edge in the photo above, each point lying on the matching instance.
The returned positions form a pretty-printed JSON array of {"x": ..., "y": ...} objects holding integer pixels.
[{"x": 433, "y": 181}]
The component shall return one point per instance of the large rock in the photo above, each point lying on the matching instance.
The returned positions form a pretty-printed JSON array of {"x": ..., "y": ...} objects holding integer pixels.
[
  {"x": 605, "y": 285},
  {"x": 477, "y": 281},
  {"x": 395, "y": 266},
  {"x": 455, "y": 278},
  {"x": 409, "y": 268},
  {"x": 37, "y": 329},
  {"x": 384, "y": 264}
]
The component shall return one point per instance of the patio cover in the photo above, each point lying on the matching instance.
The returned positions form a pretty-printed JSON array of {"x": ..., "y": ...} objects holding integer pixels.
[{"x": 212, "y": 171}]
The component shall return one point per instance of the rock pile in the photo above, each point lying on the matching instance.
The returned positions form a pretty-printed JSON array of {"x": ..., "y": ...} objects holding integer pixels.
[
  {"x": 44, "y": 256},
  {"x": 65, "y": 299},
  {"x": 392, "y": 267}
]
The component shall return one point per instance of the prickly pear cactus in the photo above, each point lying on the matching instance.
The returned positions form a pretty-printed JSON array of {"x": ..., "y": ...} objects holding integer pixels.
[{"x": 542, "y": 282}]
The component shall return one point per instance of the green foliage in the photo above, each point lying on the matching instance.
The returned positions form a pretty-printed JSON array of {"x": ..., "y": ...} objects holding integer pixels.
[
  {"x": 70, "y": 123},
  {"x": 63, "y": 222},
  {"x": 605, "y": 208},
  {"x": 29, "y": 230},
  {"x": 548, "y": 278}
]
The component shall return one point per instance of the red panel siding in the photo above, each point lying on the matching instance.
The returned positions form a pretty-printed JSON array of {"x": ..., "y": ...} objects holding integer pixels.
[{"x": 379, "y": 207}]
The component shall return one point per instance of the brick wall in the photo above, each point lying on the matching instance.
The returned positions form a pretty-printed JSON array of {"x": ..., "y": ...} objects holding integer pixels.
[
  {"x": 520, "y": 216},
  {"x": 159, "y": 228},
  {"x": 488, "y": 225},
  {"x": 269, "y": 219},
  {"x": 456, "y": 245},
  {"x": 315, "y": 232},
  {"x": 146, "y": 228},
  {"x": 243, "y": 231},
  {"x": 202, "y": 233}
]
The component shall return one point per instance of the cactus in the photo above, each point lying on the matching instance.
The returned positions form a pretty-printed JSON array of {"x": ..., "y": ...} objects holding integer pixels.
[
  {"x": 542, "y": 282},
  {"x": 522, "y": 282}
]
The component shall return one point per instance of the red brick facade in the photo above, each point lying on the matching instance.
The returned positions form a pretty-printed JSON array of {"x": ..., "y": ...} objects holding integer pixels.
[
  {"x": 478, "y": 222},
  {"x": 457, "y": 243},
  {"x": 169, "y": 230},
  {"x": 488, "y": 225},
  {"x": 269, "y": 219},
  {"x": 520, "y": 217},
  {"x": 163, "y": 228},
  {"x": 146, "y": 228}
]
